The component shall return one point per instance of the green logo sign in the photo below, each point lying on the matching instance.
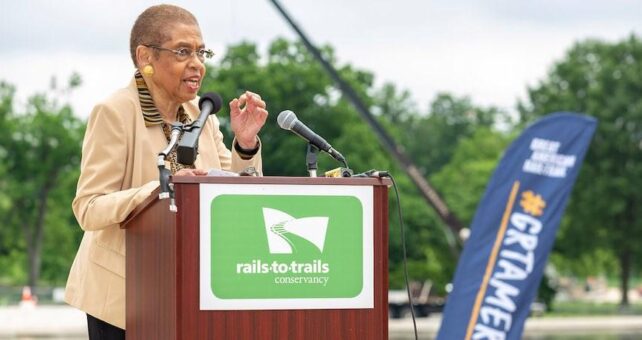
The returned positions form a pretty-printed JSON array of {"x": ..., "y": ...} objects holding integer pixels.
[{"x": 286, "y": 246}]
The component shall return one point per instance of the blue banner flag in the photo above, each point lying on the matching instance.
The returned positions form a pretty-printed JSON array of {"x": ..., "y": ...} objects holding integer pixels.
[{"x": 514, "y": 229}]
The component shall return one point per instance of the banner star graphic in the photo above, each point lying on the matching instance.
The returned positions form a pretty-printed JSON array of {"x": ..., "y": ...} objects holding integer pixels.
[{"x": 532, "y": 203}]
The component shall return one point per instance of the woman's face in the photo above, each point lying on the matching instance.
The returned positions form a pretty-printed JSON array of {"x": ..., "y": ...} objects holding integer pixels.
[{"x": 178, "y": 80}]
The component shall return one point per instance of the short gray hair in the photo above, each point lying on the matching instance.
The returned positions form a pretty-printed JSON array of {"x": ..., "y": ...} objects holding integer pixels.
[{"x": 152, "y": 26}]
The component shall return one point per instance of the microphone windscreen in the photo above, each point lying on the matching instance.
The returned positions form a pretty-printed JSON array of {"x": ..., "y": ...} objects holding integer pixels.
[
  {"x": 212, "y": 97},
  {"x": 286, "y": 119}
]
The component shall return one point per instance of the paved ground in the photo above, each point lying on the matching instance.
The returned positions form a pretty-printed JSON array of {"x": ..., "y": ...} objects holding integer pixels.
[
  {"x": 27, "y": 322},
  {"x": 535, "y": 327},
  {"x": 63, "y": 322}
]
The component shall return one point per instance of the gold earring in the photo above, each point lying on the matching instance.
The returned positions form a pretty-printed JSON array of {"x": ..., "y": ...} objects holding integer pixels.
[{"x": 148, "y": 70}]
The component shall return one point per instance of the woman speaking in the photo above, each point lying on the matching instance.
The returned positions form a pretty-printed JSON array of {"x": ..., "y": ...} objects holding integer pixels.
[{"x": 124, "y": 135}]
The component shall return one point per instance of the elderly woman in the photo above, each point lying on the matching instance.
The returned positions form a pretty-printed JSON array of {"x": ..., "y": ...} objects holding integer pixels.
[{"x": 124, "y": 134}]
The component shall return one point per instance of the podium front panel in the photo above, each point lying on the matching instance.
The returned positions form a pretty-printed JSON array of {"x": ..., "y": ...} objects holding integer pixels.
[
  {"x": 273, "y": 242},
  {"x": 285, "y": 247}
]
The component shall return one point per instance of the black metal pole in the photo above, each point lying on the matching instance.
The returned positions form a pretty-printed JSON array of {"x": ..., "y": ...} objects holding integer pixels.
[{"x": 428, "y": 193}]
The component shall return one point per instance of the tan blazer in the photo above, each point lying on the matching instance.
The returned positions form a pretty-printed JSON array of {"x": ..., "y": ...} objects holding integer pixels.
[{"x": 117, "y": 172}]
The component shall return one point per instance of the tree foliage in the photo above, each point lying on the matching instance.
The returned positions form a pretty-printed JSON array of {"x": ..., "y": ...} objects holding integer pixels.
[
  {"x": 41, "y": 153},
  {"x": 449, "y": 120},
  {"x": 464, "y": 178},
  {"x": 603, "y": 80},
  {"x": 289, "y": 79}
]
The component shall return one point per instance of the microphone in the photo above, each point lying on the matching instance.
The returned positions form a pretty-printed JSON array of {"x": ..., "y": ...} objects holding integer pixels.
[
  {"x": 287, "y": 120},
  {"x": 187, "y": 149}
]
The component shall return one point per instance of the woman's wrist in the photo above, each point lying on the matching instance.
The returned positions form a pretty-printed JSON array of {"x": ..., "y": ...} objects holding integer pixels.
[
  {"x": 244, "y": 150},
  {"x": 250, "y": 144}
]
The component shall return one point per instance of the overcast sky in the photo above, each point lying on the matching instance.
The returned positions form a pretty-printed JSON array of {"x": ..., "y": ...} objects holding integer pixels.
[{"x": 488, "y": 50}]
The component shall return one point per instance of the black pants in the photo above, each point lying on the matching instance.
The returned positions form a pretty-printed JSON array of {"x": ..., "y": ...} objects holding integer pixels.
[{"x": 100, "y": 330}]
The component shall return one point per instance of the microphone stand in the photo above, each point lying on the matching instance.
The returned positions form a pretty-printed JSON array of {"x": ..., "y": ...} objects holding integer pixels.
[
  {"x": 167, "y": 188},
  {"x": 311, "y": 159},
  {"x": 184, "y": 154}
]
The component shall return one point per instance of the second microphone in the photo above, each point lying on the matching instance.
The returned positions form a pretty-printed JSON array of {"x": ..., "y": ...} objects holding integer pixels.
[{"x": 287, "y": 120}]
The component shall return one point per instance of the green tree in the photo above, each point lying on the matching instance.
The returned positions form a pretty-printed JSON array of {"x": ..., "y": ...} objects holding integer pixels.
[
  {"x": 448, "y": 120},
  {"x": 7, "y": 234},
  {"x": 288, "y": 78},
  {"x": 439, "y": 141},
  {"x": 41, "y": 152},
  {"x": 462, "y": 181},
  {"x": 603, "y": 80}
]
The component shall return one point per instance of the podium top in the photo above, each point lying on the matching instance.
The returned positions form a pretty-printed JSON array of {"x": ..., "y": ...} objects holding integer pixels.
[
  {"x": 257, "y": 180},
  {"x": 283, "y": 180}
]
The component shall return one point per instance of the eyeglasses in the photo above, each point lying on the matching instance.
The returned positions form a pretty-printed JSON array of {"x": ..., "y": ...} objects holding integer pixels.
[{"x": 184, "y": 53}]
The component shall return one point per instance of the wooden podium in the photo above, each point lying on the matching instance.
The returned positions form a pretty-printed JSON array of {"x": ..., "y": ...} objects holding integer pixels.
[{"x": 163, "y": 275}]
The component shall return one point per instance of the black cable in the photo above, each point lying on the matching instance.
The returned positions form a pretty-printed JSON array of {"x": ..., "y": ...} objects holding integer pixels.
[{"x": 379, "y": 174}]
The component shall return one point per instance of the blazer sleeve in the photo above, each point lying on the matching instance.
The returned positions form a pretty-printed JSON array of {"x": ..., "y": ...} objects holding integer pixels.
[
  {"x": 100, "y": 201},
  {"x": 231, "y": 160}
]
